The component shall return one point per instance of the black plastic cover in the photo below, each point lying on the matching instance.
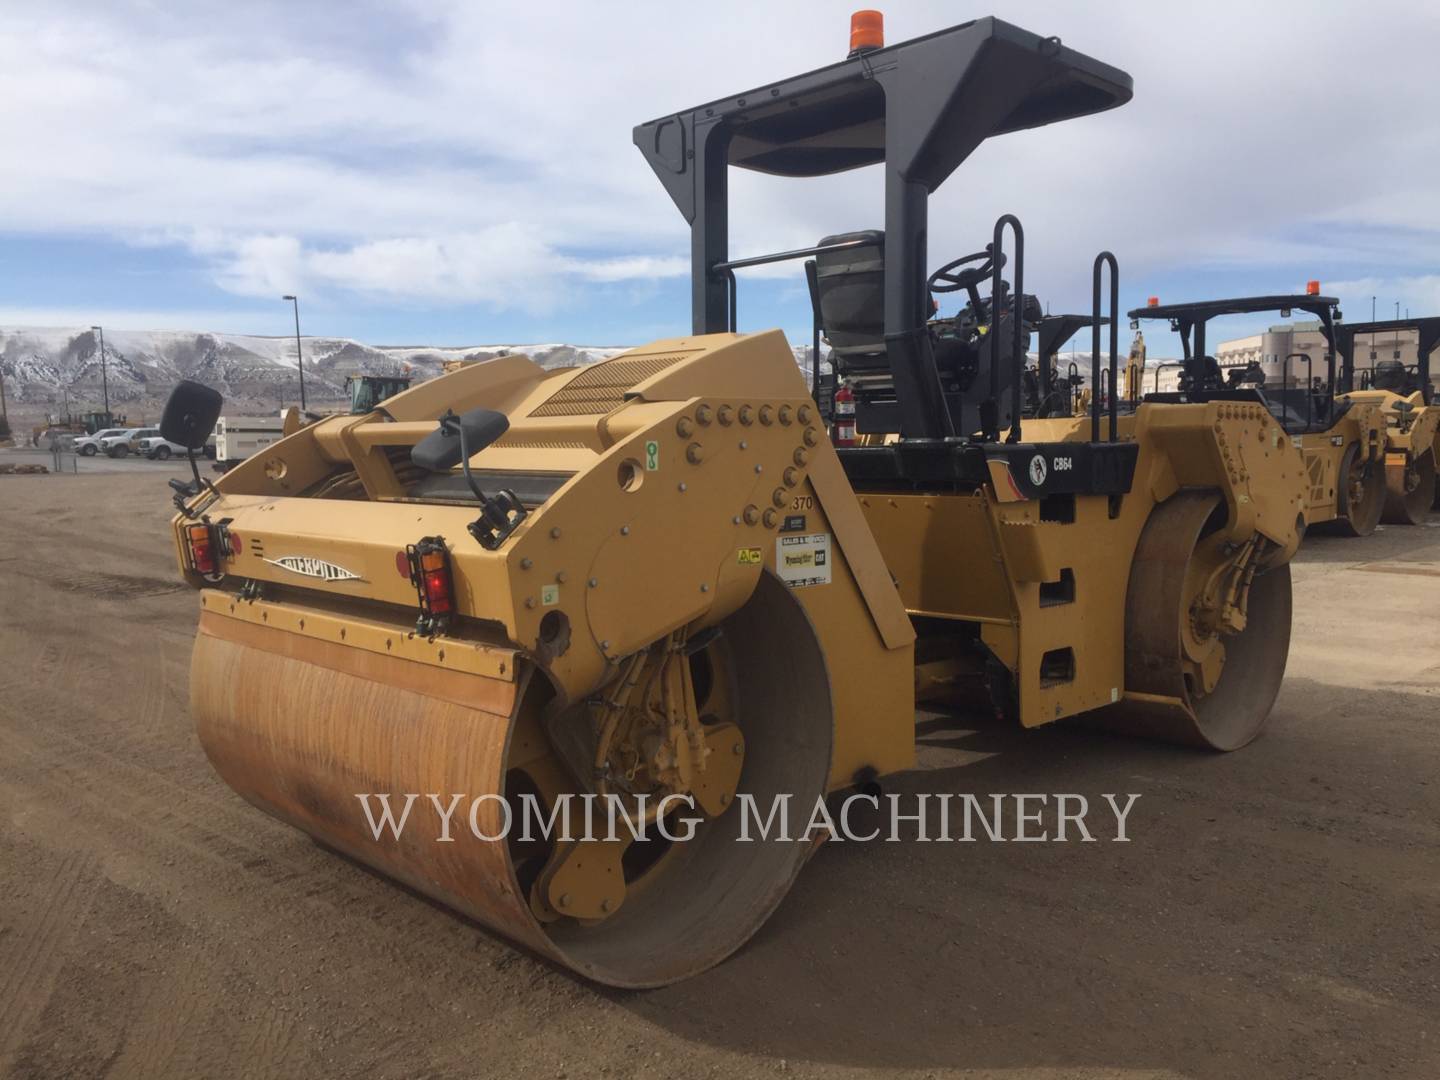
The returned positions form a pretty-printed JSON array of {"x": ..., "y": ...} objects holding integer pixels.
[
  {"x": 851, "y": 286},
  {"x": 190, "y": 414}
]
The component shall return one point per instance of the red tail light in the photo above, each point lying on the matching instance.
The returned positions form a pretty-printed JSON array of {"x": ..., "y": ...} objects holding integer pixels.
[
  {"x": 204, "y": 544},
  {"x": 430, "y": 574},
  {"x": 437, "y": 591}
]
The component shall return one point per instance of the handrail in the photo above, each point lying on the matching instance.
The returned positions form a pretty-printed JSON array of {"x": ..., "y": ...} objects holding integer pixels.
[
  {"x": 1017, "y": 306},
  {"x": 785, "y": 256},
  {"x": 1102, "y": 260},
  {"x": 1162, "y": 366},
  {"x": 812, "y": 279},
  {"x": 1309, "y": 385},
  {"x": 729, "y": 267}
]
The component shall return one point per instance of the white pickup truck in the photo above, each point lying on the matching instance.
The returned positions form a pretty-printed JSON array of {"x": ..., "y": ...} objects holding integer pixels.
[
  {"x": 89, "y": 445},
  {"x": 151, "y": 444}
]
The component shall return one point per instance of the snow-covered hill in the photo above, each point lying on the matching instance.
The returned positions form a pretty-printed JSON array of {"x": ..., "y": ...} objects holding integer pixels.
[{"x": 49, "y": 370}]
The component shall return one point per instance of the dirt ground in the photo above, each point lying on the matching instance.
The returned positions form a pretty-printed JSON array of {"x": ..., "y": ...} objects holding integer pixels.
[{"x": 1276, "y": 914}]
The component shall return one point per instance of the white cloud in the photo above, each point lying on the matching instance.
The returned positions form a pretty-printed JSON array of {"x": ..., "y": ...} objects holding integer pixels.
[
  {"x": 455, "y": 153},
  {"x": 504, "y": 266},
  {"x": 1419, "y": 294}
]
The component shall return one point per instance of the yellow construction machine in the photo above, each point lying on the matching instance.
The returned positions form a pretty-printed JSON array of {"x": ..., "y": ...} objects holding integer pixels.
[
  {"x": 1135, "y": 370},
  {"x": 654, "y": 582},
  {"x": 1341, "y": 440},
  {"x": 1405, "y": 397}
]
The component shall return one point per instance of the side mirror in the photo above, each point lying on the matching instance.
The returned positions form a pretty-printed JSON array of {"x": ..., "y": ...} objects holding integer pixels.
[
  {"x": 441, "y": 450},
  {"x": 458, "y": 439},
  {"x": 190, "y": 414}
]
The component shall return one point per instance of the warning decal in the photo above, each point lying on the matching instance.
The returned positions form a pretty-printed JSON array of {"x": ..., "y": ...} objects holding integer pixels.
[
  {"x": 803, "y": 560},
  {"x": 750, "y": 557}
]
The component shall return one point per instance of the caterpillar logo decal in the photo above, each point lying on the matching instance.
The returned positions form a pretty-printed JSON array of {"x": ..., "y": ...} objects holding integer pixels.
[
  {"x": 309, "y": 566},
  {"x": 1037, "y": 470}
]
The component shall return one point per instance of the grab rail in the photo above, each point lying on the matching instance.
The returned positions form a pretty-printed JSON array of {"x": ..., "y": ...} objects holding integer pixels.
[
  {"x": 1017, "y": 305},
  {"x": 729, "y": 267},
  {"x": 1101, "y": 260}
]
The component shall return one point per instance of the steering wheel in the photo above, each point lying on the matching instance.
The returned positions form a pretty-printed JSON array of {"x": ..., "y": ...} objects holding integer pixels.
[{"x": 950, "y": 278}]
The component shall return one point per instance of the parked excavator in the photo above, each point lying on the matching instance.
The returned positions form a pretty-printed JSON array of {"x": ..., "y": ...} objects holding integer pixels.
[
  {"x": 1341, "y": 440},
  {"x": 654, "y": 580},
  {"x": 1405, "y": 398}
]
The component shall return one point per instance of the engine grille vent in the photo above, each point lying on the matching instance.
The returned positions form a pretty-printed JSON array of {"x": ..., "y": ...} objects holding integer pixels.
[
  {"x": 599, "y": 389},
  {"x": 525, "y": 442}
]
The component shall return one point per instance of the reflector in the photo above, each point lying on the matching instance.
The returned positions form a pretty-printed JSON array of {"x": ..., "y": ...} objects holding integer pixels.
[
  {"x": 202, "y": 549},
  {"x": 429, "y": 563}
]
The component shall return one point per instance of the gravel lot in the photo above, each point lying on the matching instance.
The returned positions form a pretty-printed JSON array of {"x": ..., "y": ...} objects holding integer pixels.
[{"x": 1277, "y": 912}]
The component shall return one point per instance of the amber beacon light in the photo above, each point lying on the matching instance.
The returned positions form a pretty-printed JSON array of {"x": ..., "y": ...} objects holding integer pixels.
[{"x": 867, "y": 32}]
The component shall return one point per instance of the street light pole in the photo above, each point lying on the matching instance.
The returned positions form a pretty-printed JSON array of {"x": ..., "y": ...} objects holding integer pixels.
[
  {"x": 299, "y": 356},
  {"x": 104, "y": 379}
]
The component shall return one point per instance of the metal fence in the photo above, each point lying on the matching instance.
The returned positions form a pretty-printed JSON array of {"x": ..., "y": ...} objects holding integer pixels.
[{"x": 63, "y": 458}]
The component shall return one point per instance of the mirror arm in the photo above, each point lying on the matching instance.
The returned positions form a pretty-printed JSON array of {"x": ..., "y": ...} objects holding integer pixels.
[
  {"x": 452, "y": 422},
  {"x": 499, "y": 516},
  {"x": 185, "y": 492}
]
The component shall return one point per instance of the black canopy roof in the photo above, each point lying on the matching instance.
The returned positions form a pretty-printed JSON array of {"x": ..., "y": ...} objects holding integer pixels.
[
  {"x": 1321, "y": 307},
  {"x": 919, "y": 108},
  {"x": 1056, "y": 330},
  {"x": 929, "y": 101}
]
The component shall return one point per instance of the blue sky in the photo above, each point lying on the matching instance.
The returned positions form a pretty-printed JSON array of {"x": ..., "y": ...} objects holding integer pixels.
[{"x": 448, "y": 172}]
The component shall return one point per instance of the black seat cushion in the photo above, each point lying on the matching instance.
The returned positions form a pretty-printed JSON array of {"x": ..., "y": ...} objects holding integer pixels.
[{"x": 851, "y": 286}]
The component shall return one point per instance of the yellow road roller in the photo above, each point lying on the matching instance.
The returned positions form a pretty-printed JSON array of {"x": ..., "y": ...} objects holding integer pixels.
[
  {"x": 655, "y": 583},
  {"x": 1405, "y": 398},
  {"x": 1341, "y": 440}
]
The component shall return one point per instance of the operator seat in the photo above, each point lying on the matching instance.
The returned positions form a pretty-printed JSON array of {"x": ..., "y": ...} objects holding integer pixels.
[
  {"x": 1202, "y": 373},
  {"x": 851, "y": 292},
  {"x": 1390, "y": 375}
]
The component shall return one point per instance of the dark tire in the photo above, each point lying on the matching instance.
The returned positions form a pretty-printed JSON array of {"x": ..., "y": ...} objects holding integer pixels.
[
  {"x": 88, "y": 450},
  {"x": 163, "y": 453},
  {"x": 1360, "y": 491},
  {"x": 1173, "y": 707},
  {"x": 1409, "y": 491}
]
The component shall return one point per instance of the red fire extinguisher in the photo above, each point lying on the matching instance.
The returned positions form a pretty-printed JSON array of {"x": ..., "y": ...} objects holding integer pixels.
[{"x": 844, "y": 430}]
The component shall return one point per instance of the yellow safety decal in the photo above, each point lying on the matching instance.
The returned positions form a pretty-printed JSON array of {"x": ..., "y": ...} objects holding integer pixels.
[{"x": 750, "y": 557}]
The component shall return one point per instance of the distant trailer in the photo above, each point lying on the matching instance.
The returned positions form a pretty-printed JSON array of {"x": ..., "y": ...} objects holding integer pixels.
[{"x": 238, "y": 437}]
